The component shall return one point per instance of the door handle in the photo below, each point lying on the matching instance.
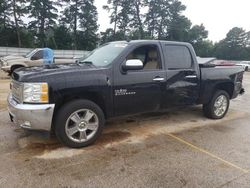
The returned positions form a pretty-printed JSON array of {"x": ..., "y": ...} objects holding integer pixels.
[
  {"x": 191, "y": 76},
  {"x": 158, "y": 79}
]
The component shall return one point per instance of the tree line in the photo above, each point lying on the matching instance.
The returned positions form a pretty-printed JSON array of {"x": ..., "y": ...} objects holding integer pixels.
[{"x": 72, "y": 24}]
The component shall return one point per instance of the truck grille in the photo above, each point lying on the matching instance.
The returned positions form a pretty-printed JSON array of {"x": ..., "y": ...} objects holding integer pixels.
[{"x": 16, "y": 89}]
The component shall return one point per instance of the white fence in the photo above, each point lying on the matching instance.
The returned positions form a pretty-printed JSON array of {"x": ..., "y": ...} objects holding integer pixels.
[{"x": 58, "y": 53}]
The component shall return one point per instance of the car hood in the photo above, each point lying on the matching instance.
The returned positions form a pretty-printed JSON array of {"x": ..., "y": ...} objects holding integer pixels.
[{"x": 47, "y": 72}]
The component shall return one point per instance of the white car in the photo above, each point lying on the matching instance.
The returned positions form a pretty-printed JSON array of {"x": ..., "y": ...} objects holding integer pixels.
[{"x": 245, "y": 64}]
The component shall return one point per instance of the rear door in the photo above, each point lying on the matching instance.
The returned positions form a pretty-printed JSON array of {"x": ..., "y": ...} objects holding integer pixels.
[
  {"x": 139, "y": 91},
  {"x": 182, "y": 76}
]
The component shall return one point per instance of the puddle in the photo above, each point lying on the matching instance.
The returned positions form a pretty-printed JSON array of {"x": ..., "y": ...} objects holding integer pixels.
[
  {"x": 38, "y": 146},
  {"x": 120, "y": 132},
  {"x": 60, "y": 152},
  {"x": 222, "y": 128}
]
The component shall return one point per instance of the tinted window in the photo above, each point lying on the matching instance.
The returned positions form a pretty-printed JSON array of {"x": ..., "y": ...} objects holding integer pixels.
[
  {"x": 149, "y": 55},
  {"x": 178, "y": 57},
  {"x": 38, "y": 55}
]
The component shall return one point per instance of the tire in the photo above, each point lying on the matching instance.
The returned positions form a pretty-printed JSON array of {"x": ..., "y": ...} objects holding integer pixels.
[
  {"x": 211, "y": 111},
  {"x": 79, "y": 123},
  {"x": 246, "y": 68}
]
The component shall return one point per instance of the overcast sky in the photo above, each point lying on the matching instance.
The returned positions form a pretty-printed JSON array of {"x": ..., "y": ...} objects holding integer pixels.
[{"x": 218, "y": 16}]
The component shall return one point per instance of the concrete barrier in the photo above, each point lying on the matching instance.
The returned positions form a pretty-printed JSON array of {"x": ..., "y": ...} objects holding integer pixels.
[{"x": 58, "y": 53}]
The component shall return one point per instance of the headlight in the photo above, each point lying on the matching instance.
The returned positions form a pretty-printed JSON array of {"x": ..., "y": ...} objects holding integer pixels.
[
  {"x": 35, "y": 93},
  {"x": 5, "y": 63}
]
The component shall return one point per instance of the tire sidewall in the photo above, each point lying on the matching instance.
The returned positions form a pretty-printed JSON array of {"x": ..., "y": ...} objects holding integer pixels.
[
  {"x": 64, "y": 113},
  {"x": 212, "y": 103}
]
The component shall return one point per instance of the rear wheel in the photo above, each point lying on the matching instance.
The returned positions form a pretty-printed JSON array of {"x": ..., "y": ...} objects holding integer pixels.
[
  {"x": 246, "y": 68},
  {"x": 79, "y": 123},
  {"x": 218, "y": 106}
]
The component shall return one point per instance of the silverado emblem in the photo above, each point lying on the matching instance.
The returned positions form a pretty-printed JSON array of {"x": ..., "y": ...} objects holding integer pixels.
[{"x": 120, "y": 92}]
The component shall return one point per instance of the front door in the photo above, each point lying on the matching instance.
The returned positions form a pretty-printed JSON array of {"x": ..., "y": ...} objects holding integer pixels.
[
  {"x": 140, "y": 91},
  {"x": 36, "y": 59}
]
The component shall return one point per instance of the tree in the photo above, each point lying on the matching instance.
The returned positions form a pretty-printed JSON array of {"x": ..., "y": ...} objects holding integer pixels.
[
  {"x": 44, "y": 14},
  {"x": 136, "y": 21},
  {"x": 121, "y": 11},
  {"x": 178, "y": 25},
  {"x": 81, "y": 15},
  {"x": 107, "y": 36},
  {"x": 164, "y": 19},
  {"x": 62, "y": 38},
  {"x": 5, "y": 13},
  {"x": 234, "y": 46},
  {"x": 113, "y": 6},
  {"x": 197, "y": 36},
  {"x": 18, "y": 10}
]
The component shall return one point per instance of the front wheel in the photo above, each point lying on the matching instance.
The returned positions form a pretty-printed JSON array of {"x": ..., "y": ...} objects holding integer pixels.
[
  {"x": 218, "y": 106},
  {"x": 79, "y": 123}
]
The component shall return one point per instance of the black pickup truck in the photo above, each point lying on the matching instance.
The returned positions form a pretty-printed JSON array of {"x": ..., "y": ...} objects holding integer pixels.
[{"x": 119, "y": 78}]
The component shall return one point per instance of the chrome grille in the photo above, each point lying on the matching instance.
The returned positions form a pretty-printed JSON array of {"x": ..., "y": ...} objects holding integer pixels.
[{"x": 16, "y": 89}]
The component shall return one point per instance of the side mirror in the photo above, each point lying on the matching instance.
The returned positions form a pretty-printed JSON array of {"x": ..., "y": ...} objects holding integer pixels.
[{"x": 132, "y": 64}]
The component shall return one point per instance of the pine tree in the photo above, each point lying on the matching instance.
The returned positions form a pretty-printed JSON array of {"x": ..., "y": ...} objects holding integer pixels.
[
  {"x": 81, "y": 15},
  {"x": 18, "y": 10},
  {"x": 120, "y": 15},
  {"x": 164, "y": 19},
  {"x": 44, "y": 14},
  {"x": 178, "y": 25},
  {"x": 5, "y": 13}
]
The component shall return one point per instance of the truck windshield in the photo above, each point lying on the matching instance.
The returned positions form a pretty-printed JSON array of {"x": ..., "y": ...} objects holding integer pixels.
[
  {"x": 104, "y": 55},
  {"x": 30, "y": 53}
]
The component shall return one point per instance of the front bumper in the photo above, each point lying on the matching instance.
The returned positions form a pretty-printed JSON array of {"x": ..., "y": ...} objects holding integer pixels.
[
  {"x": 6, "y": 68},
  {"x": 31, "y": 116}
]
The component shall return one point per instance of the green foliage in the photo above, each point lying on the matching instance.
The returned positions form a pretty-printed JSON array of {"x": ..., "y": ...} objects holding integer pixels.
[
  {"x": 62, "y": 38},
  {"x": 235, "y": 46},
  {"x": 75, "y": 26},
  {"x": 81, "y": 16},
  {"x": 44, "y": 15},
  {"x": 5, "y": 13}
]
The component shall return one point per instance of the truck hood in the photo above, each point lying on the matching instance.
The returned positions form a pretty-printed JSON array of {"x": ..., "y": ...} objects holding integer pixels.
[
  {"x": 12, "y": 57},
  {"x": 43, "y": 73}
]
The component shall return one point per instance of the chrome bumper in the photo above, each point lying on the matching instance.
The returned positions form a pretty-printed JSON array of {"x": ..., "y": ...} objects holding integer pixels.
[
  {"x": 6, "y": 68},
  {"x": 31, "y": 116}
]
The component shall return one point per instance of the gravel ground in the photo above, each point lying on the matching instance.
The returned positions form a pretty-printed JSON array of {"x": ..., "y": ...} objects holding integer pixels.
[{"x": 178, "y": 148}]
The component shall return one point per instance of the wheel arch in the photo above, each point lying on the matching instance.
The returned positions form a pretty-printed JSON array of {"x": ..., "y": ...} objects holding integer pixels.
[
  {"x": 225, "y": 86},
  {"x": 15, "y": 66},
  {"x": 91, "y": 96}
]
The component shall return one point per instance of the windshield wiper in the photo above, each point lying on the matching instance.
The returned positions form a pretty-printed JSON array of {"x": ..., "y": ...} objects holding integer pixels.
[{"x": 86, "y": 62}]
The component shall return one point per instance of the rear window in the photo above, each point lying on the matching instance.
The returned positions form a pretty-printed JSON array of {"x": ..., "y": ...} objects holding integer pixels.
[{"x": 177, "y": 57}]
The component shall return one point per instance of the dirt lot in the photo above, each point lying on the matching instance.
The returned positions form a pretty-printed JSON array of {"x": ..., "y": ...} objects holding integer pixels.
[{"x": 179, "y": 148}]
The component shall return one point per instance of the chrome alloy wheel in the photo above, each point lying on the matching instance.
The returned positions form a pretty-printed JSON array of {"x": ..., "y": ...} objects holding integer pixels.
[
  {"x": 220, "y": 105},
  {"x": 81, "y": 125}
]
